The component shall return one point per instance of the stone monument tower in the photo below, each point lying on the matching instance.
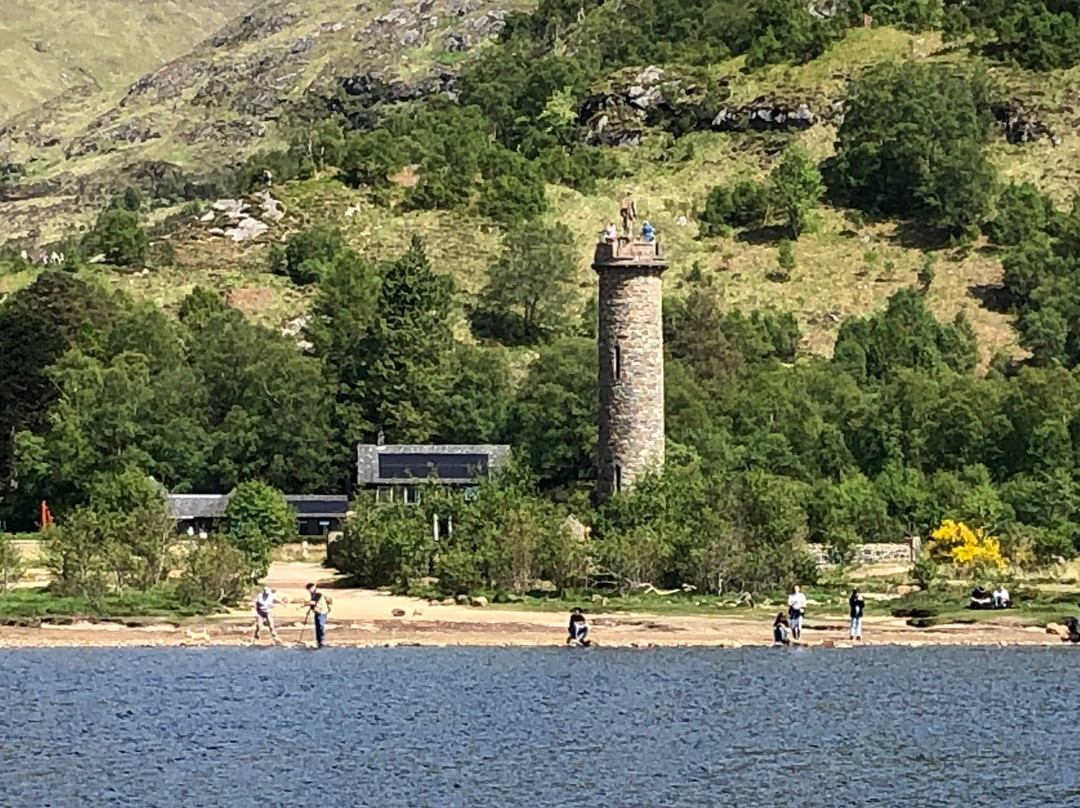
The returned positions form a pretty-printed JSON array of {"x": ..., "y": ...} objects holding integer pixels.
[{"x": 631, "y": 372}]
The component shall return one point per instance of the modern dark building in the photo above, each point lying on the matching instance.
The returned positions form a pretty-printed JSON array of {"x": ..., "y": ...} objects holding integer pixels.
[
  {"x": 396, "y": 471},
  {"x": 316, "y": 514}
]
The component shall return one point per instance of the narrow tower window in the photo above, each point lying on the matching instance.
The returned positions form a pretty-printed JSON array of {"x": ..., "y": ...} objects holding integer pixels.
[
  {"x": 618, "y": 478},
  {"x": 616, "y": 363}
]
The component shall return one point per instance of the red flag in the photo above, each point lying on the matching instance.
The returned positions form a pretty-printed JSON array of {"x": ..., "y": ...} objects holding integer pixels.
[{"x": 46, "y": 516}]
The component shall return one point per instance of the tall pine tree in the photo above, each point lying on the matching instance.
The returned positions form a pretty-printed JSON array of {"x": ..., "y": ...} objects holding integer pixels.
[{"x": 409, "y": 349}]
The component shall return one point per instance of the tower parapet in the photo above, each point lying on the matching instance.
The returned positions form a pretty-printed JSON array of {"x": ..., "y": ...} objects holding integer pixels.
[{"x": 630, "y": 340}]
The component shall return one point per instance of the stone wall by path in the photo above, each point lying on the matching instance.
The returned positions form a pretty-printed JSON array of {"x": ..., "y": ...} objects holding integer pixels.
[{"x": 901, "y": 552}]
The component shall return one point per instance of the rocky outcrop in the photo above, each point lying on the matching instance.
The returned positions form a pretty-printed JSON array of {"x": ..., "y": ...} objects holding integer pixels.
[
  {"x": 1020, "y": 125},
  {"x": 259, "y": 24},
  {"x": 243, "y": 219},
  {"x": 764, "y": 114},
  {"x": 136, "y": 130},
  {"x": 619, "y": 112}
]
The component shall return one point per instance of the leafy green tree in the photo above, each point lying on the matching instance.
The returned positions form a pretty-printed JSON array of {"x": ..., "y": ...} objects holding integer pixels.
[
  {"x": 258, "y": 519},
  {"x": 785, "y": 261},
  {"x": 214, "y": 571},
  {"x": 1035, "y": 35},
  {"x": 553, "y": 419},
  {"x": 513, "y": 188},
  {"x": 119, "y": 235},
  {"x": 795, "y": 187},
  {"x": 1022, "y": 211},
  {"x": 308, "y": 254},
  {"x": 718, "y": 345},
  {"x": 370, "y": 159},
  {"x": 904, "y": 335},
  {"x": 75, "y": 555},
  {"x": 913, "y": 144},
  {"x": 409, "y": 348},
  {"x": 531, "y": 287},
  {"x": 343, "y": 315},
  {"x": 476, "y": 408},
  {"x": 786, "y": 31},
  {"x": 38, "y": 324},
  {"x": 269, "y": 407},
  {"x": 745, "y": 204},
  {"x": 321, "y": 143},
  {"x": 849, "y": 513}
]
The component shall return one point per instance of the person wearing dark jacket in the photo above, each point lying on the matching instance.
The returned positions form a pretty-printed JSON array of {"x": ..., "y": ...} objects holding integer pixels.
[
  {"x": 579, "y": 628},
  {"x": 856, "y": 605},
  {"x": 780, "y": 629}
]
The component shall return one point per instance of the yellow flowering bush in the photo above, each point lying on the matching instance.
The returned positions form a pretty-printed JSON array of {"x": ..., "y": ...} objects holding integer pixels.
[{"x": 956, "y": 543}]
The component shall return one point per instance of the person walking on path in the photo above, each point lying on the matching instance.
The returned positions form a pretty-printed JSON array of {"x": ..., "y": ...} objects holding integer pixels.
[
  {"x": 857, "y": 605},
  {"x": 796, "y": 608},
  {"x": 264, "y": 612},
  {"x": 319, "y": 606}
]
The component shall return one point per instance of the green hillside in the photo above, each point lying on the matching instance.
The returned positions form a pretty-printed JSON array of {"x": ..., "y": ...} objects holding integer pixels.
[
  {"x": 50, "y": 48},
  {"x": 377, "y": 219}
]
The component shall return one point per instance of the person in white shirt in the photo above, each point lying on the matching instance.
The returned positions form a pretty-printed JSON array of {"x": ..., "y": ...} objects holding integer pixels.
[
  {"x": 1001, "y": 597},
  {"x": 264, "y": 611},
  {"x": 796, "y": 607}
]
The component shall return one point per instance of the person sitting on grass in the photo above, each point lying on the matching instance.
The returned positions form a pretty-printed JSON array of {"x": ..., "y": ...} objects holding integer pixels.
[
  {"x": 579, "y": 629},
  {"x": 1001, "y": 598},
  {"x": 780, "y": 629},
  {"x": 980, "y": 599}
]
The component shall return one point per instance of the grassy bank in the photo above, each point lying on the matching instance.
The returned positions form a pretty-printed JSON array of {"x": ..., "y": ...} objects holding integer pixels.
[
  {"x": 39, "y": 605},
  {"x": 1032, "y": 606}
]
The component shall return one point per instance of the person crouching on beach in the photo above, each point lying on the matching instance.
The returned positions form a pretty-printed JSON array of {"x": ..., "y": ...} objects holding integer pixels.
[
  {"x": 579, "y": 628},
  {"x": 796, "y": 608},
  {"x": 780, "y": 629},
  {"x": 856, "y": 604},
  {"x": 264, "y": 612}
]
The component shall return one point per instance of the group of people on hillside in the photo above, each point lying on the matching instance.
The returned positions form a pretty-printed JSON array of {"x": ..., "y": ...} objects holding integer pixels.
[
  {"x": 788, "y": 627},
  {"x": 43, "y": 257},
  {"x": 318, "y": 607}
]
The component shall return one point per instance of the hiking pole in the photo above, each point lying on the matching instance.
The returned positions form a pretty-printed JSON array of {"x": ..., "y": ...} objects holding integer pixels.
[{"x": 303, "y": 628}]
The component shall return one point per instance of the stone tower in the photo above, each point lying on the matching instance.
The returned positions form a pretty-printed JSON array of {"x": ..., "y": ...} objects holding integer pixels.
[{"x": 631, "y": 372}]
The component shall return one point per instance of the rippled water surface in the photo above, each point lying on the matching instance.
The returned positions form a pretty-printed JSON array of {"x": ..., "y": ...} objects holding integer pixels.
[{"x": 526, "y": 727}]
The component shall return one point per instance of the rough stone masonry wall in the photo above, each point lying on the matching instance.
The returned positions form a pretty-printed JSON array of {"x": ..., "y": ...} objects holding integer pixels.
[
  {"x": 870, "y": 553},
  {"x": 631, "y": 406}
]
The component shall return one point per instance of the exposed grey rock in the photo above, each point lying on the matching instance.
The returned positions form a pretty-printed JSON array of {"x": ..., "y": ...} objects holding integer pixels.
[
  {"x": 303, "y": 45},
  {"x": 764, "y": 114}
]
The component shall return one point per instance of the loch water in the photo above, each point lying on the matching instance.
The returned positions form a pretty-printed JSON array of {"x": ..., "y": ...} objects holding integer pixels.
[{"x": 416, "y": 727}]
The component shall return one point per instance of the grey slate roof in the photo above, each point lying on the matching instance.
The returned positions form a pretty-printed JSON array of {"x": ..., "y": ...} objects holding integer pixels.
[
  {"x": 212, "y": 506},
  {"x": 198, "y": 506}
]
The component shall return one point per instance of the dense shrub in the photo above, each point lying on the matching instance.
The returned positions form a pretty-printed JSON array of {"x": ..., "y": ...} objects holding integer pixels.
[
  {"x": 307, "y": 254},
  {"x": 744, "y": 204},
  {"x": 912, "y": 144},
  {"x": 119, "y": 235}
]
